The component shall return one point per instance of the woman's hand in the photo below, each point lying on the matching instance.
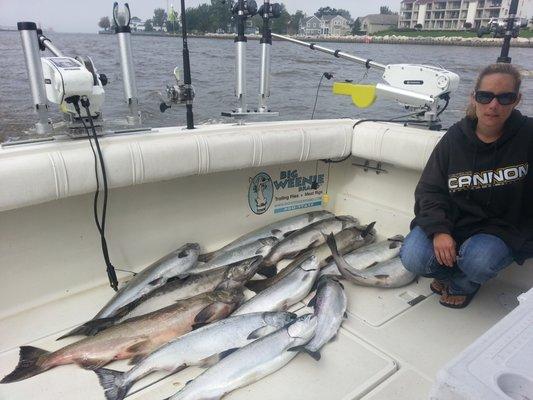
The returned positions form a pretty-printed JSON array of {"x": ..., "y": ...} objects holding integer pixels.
[{"x": 444, "y": 247}]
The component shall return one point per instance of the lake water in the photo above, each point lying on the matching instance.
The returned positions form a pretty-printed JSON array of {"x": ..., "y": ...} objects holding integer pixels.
[{"x": 295, "y": 75}]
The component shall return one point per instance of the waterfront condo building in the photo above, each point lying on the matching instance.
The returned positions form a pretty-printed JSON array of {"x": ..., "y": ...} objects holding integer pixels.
[{"x": 454, "y": 14}]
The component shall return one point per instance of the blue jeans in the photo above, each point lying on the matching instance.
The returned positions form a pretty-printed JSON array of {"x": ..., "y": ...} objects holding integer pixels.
[{"x": 480, "y": 258}]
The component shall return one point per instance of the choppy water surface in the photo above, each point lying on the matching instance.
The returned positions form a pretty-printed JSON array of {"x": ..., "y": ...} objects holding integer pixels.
[{"x": 295, "y": 75}]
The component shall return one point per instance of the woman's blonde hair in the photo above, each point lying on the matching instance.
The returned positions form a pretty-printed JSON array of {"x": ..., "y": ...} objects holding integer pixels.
[{"x": 498, "y": 68}]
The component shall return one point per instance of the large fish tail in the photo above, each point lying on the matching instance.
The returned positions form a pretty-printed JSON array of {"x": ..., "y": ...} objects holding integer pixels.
[
  {"x": 339, "y": 260},
  {"x": 113, "y": 383},
  {"x": 30, "y": 364},
  {"x": 91, "y": 328}
]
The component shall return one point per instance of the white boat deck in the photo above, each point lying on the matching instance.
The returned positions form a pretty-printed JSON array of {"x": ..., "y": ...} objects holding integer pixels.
[{"x": 387, "y": 348}]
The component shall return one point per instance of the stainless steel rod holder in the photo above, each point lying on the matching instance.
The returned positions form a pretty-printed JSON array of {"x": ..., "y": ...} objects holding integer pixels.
[
  {"x": 128, "y": 77},
  {"x": 30, "y": 46},
  {"x": 240, "y": 78},
  {"x": 264, "y": 88}
]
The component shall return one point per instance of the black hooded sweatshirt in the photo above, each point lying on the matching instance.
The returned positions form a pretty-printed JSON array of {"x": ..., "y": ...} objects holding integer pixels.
[{"x": 470, "y": 187}]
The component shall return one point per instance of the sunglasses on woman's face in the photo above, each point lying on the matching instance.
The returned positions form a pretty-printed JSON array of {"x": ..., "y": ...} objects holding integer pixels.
[{"x": 504, "y": 99}]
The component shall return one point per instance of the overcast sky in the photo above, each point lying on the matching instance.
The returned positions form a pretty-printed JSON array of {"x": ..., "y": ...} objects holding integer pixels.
[{"x": 83, "y": 16}]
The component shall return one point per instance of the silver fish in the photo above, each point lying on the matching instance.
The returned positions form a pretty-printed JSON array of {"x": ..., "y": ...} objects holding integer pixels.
[
  {"x": 194, "y": 348},
  {"x": 135, "y": 337},
  {"x": 231, "y": 277},
  {"x": 146, "y": 281},
  {"x": 347, "y": 240},
  {"x": 311, "y": 236},
  {"x": 330, "y": 308},
  {"x": 386, "y": 274},
  {"x": 251, "y": 363},
  {"x": 260, "y": 247},
  {"x": 372, "y": 254},
  {"x": 288, "y": 291},
  {"x": 278, "y": 229}
]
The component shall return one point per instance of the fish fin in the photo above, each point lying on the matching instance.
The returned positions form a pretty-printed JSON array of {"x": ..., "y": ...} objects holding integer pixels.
[
  {"x": 288, "y": 233},
  {"x": 259, "y": 332},
  {"x": 205, "y": 315},
  {"x": 276, "y": 232},
  {"x": 29, "y": 364},
  {"x": 93, "y": 365},
  {"x": 207, "y": 362},
  {"x": 207, "y": 256},
  {"x": 368, "y": 229},
  {"x": 113, "y": 383},
  {"x": 265, "y": 241},
  {"x": 268, "y": 272},
  {"x": 156, "y": 281},
  {"x": 383, "y": 276},
  {"x": 315, "y": 354},
  {"x": 199, "y": 325},
  {"x": 373, "y": 264},
  {"x": 395, "y": 243},
  {"x": 91, "y": 328},
  {"x": 312, "y": 302},
  {"x": 227, "y": 352},
  {"x": 396, "y": 238},
  {"x": 257, "y": 286},
  {"x": 345, "y": 315},
  {"x": 138, "y": 347},
  {"x": 136, "y": 359}
]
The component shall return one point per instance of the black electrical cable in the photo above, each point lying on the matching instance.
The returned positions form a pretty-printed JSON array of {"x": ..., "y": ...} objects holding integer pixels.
[
  {"x": 447, "y": 98},
  {"x": 113, "y": 281},
  {"x": 328, "y": 76},
  {"x": 100, "y": 224},
  {"x": 95, "y": 200}
]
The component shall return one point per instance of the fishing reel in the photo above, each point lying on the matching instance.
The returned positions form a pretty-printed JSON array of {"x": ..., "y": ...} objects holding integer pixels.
[
  {"x": 180, "y": 93},
  {"x": 249, "y": 8},
  {"x": 270, "y": 11}
]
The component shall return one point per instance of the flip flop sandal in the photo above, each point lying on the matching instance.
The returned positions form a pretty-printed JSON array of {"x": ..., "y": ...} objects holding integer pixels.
[
  {"x": 438, "y": 287},
  {"x": 468, "y": 298}
]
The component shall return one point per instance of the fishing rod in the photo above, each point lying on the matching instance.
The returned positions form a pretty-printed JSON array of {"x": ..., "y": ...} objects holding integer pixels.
[
  {"x": 504, "y": 55},
  {"x": 189, "y": 92},
  {"x": 183, "y": 91}
]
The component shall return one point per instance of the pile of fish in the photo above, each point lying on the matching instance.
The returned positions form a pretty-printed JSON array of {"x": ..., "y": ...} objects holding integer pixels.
[{"x": 190, "y": 309}]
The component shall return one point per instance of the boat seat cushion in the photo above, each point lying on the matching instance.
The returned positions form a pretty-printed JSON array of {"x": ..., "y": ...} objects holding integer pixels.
[
  {"x": 39, "y": 173},
  {"x": 403, "y": 147}
]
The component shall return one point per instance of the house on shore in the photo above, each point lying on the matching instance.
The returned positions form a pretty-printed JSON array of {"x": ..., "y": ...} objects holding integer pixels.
[
  {"x": 327, "y": 25},
  {"x": 373, "y": 23},
  {"x": 136, "y": 24}
]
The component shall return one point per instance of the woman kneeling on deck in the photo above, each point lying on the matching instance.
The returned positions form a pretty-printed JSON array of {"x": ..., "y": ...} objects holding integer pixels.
[{"x": 474, "y": 201}]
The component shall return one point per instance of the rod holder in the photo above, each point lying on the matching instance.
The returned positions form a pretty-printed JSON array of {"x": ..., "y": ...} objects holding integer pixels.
[
  {"x": 30, "y": 46},
  {"x": 267, "y": 11},
  {"x": 123, "y": 32}
]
